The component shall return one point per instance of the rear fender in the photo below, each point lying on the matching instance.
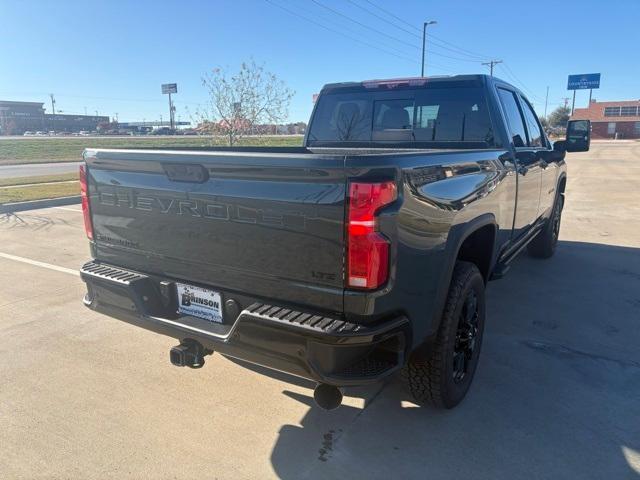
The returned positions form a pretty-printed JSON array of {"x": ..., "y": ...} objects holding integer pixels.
[{"x": 457, "y": 235}]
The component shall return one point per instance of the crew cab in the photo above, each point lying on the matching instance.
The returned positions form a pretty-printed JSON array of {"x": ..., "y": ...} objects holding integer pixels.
[{"x": 362, "y": 253}]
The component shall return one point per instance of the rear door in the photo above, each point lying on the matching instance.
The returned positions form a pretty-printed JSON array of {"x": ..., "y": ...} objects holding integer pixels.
[
  {"x": 528, "y": 164},
  {"x": 268, "y": 225}
]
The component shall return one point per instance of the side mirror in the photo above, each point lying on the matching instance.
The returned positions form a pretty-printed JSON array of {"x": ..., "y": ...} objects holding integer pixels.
[
  {"x": 518, "y": 141},
  {"x": 559, "y": 150},
  {"x": 578, "y": 136}
]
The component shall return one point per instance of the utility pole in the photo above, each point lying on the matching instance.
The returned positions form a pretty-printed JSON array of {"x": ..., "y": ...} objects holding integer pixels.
[
  {"x": 566, "y": 101},
  {"x": 53, "y": 110},
  {"x": 424, "y": 41},
  {"x": 491, "y": 63},
  {"x": 573, "y": 104}
]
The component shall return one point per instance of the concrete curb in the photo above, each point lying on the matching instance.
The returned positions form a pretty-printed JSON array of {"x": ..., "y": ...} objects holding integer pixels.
[{"x": 34, "y": 204}]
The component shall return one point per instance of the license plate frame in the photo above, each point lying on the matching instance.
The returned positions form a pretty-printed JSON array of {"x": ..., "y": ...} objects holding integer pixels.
[{"x": 199, "y": 302}]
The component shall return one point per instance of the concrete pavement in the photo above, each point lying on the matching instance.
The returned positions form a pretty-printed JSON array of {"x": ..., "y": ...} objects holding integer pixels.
[{"x": 557, "y": 393}]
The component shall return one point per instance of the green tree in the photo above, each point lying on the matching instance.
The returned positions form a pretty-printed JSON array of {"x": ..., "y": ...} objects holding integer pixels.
[
  {"x": 559, "y": 117},
  {"x": 544, "y": 121}
]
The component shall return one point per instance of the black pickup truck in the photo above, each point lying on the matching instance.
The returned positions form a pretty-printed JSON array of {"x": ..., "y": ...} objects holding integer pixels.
[{"x": 360, "y": 254}]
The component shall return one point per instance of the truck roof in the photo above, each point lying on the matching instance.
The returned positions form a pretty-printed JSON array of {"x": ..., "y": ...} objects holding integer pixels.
[{"x": 410, "y": 82}]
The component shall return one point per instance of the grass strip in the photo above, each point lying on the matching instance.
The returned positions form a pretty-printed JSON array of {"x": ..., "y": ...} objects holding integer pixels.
[
  {"x": 61, "y": 177},
  {"x": 17, "y": 151},
  {"x": 38, "y": 192}
]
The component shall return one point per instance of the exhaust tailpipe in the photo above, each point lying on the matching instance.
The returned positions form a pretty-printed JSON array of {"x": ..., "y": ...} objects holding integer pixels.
[
  {"x": 188, "y": 354},
  {"x": 327, "y": 397}
]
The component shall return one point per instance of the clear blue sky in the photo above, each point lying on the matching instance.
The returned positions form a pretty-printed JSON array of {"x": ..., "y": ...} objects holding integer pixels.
[{"x": 112, "y": 56}]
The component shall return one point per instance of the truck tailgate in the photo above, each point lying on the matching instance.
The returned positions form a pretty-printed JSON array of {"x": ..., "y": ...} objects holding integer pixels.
[{"x": 262, "y": 224}]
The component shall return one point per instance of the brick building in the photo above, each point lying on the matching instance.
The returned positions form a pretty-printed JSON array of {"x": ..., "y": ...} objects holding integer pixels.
[{"x": 609, "y": 119}]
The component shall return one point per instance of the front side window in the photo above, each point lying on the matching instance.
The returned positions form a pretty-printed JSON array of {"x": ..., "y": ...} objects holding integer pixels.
[
  {"x": 535, "y": 133},
  {"x": 514, "y": 117}
]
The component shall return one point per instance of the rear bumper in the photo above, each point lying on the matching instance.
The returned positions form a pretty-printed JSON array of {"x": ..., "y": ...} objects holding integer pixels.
[{"x": 310, "y": 345}]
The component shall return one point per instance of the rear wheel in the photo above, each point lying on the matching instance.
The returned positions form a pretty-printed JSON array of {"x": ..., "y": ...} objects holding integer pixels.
[
  {"x": 443, "y": 378},
  {"x": 544, "y": 244}
]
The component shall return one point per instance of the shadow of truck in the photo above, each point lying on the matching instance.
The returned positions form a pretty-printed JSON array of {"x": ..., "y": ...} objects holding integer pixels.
[{"x": 557, "y": 394}]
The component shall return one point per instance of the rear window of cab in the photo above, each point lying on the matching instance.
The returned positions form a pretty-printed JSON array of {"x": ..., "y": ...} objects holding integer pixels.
[{"x": 426, "y": 115}]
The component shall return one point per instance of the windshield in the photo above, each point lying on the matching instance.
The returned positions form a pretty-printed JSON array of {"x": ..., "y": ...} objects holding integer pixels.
[{"x": 436, "y": 116}]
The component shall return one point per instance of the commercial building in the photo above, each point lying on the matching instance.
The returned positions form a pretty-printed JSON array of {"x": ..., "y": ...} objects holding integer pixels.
[
  {"x": 620, "y": 119},
  {"x": 19, "y": 117}
]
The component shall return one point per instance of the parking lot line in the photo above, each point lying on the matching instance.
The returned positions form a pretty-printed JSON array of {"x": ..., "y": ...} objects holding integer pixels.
[
  {"x": 36, "y": 263},
  {"x": 77, "y": 210}
]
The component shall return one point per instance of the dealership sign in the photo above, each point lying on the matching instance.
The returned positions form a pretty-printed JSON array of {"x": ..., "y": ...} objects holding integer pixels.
[
  {"x": 169, "y": 88},
  {"x": 584, "y": 81}
]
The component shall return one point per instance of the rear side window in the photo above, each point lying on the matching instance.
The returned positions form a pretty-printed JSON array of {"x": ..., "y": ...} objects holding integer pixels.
[
  {"x": 411, "y": 116},
  {"x": 458, "y": 115},
  {"x": 514, "y": 117},
  {"x": 345, "y": 118},
  {"x": 535, "y": 134}
]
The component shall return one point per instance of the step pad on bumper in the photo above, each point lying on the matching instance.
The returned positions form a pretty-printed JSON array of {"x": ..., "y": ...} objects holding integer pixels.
[
  {"x": 108, "y": 272},
  {"x": 316, "y": 323}
]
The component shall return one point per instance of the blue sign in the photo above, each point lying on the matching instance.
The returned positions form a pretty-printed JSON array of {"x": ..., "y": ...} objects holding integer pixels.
[{"x": 584, "y": 81}]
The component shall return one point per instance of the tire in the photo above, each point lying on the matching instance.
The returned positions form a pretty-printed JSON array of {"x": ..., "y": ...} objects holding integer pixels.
[
  {"x": 443, "y": 378},
  {"x": 544, "y": 244}
]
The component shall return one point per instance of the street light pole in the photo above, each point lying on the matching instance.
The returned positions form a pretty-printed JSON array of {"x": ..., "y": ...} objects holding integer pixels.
[
  {"x": 424, "y": 41},
  {"x": 546, "y": 101},
  {"x": 53, "y": 110}
]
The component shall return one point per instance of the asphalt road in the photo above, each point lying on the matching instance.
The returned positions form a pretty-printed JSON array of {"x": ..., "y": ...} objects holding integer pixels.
[
  {"x": 557, "y": 393},
  {"x": 36, "y": 169}
]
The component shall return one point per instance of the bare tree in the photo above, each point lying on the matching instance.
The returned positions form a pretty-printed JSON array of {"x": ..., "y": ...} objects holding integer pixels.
[{"x": 239, "y": 102}]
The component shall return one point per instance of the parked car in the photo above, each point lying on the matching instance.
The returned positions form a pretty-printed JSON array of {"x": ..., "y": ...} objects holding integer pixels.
[
  {"x": 163, "y": 131},
  {"x": 28, "y": 134},
  {"x": 365, "y": 252}
]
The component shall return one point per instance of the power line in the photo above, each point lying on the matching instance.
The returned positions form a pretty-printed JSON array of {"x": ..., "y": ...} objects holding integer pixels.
[
  {"x": 380, "y": 32},
  {"x": 513, "y": 76},
  {"x": 383, "y": 19},
  {"x": 391, "y": 14},
  {"x": 461, "y": 50},
  {"x": 114, "y": 99},
  {"x": 434, "y": 41},
  {"x": 291, "y": 12}
]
